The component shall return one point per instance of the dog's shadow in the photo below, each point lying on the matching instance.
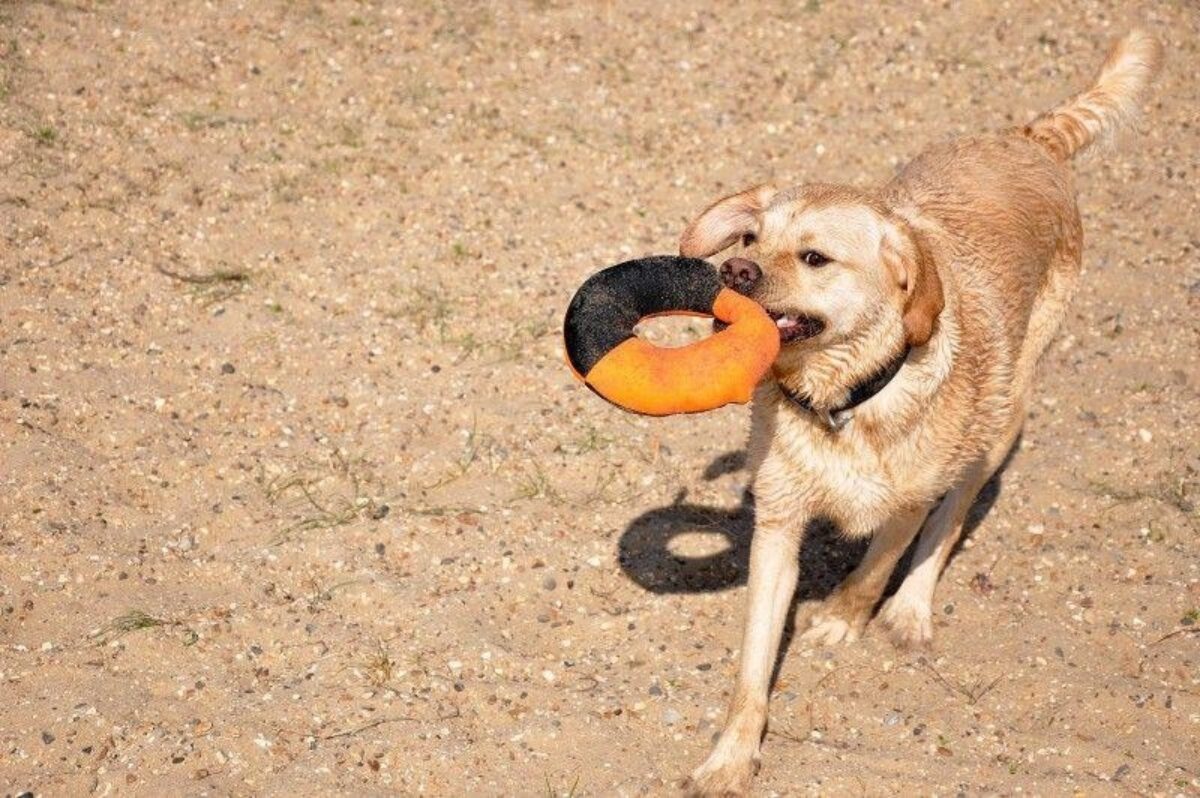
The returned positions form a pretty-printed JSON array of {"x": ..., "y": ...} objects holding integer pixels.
[{"x": 826, "y": 557}]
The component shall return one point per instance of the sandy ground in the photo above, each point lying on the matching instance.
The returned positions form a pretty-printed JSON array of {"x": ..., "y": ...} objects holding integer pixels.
[{"x": 298, "y": 498}]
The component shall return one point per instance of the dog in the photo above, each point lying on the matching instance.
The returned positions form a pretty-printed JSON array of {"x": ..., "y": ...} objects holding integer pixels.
[{"x": 912, "y": 317}]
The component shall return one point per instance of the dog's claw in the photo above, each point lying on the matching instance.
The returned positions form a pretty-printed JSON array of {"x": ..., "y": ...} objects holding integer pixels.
[
  {"x": 909, "y": 623},
  {"x": 828, "y": 624},
  {"x": 829, "y": 632},
  {"x": 730, "y": 780}
]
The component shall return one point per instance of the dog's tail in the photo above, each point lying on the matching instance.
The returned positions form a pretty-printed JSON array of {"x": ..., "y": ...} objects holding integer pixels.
[{"x": 1112, "y": 103}]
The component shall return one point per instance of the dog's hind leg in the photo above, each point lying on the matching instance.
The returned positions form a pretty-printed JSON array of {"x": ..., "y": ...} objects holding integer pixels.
[
  {"x": 843, "y": 614},
  {"x": 909, "y": 613}
]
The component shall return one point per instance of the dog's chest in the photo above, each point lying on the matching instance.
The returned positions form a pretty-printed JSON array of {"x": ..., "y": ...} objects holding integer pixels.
[{"x": 844, "y": 475}]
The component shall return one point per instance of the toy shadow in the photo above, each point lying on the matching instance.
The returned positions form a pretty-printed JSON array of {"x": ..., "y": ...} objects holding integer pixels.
[
  {"x": 825, "y": 556},
  {"x": 646, "y": 557}
]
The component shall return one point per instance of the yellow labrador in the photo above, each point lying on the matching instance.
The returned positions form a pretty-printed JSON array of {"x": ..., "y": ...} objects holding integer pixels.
[{"x": 912, "y": 317}]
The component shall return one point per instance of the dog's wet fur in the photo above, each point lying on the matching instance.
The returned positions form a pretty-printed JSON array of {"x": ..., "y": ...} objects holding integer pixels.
[{"x": 967, "y": 260}]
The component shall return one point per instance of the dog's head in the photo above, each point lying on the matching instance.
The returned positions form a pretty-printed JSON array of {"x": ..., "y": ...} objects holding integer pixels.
[{"x": 829, "y": 263}]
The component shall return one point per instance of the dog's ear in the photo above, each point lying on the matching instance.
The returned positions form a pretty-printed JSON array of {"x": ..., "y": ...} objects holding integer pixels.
[
  {"x": 725, "y": 221},
  {"x": 911, "y": 265}
]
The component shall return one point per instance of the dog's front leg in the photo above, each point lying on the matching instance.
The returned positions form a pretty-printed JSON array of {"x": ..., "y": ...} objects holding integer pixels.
[{"x": 774, "y": 566}]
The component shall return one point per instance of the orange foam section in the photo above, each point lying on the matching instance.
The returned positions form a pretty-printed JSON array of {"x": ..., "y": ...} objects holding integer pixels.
[{"x": 721, "y": 369}]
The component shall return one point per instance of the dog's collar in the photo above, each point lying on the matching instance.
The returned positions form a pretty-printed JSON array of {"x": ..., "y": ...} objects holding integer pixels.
[{"x": 838, "y": 417}]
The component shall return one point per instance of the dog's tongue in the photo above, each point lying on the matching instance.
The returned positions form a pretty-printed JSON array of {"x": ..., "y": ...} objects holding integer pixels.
[{"x": 797, "y": 328}]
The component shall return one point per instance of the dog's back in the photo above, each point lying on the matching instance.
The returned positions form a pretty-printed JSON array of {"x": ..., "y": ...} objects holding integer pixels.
[
  {"x": 1003, "y": 212},
  {"x": 1007, "y": 200}
]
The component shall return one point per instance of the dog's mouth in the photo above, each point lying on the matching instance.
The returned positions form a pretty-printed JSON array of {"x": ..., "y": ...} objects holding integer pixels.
[
  {"x": 795, "y": 326},
  {"x": 792, "y": 326}
]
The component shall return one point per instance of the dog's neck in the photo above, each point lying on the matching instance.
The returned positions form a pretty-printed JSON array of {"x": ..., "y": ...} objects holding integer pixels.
[
  {"x": 838, "y": 416},
  {"x": 830, "y": 381}
]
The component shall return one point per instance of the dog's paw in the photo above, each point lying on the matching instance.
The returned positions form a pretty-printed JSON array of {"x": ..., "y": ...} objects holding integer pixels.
[
  {"x": 828, "y": 631},
  {"x": 721, "y": 778},
  {"x": 829, "y": 623},
  {"x": 909, "y": 623}
]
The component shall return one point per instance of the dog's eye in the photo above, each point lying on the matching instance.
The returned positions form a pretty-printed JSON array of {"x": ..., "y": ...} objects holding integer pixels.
[
  {"x": 813, "y": 258},
  {"x": 748, "y": 239}
]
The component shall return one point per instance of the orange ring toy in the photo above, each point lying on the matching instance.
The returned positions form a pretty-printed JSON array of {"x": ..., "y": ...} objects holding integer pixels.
[{"x": 606, "y": 355}]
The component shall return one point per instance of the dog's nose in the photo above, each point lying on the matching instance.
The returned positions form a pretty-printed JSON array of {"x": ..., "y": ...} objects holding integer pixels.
[{"x": 740, "y": 274}]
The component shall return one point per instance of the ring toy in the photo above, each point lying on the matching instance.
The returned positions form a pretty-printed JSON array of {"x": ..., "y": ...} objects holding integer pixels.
[{"x": 604, "y": 353}]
